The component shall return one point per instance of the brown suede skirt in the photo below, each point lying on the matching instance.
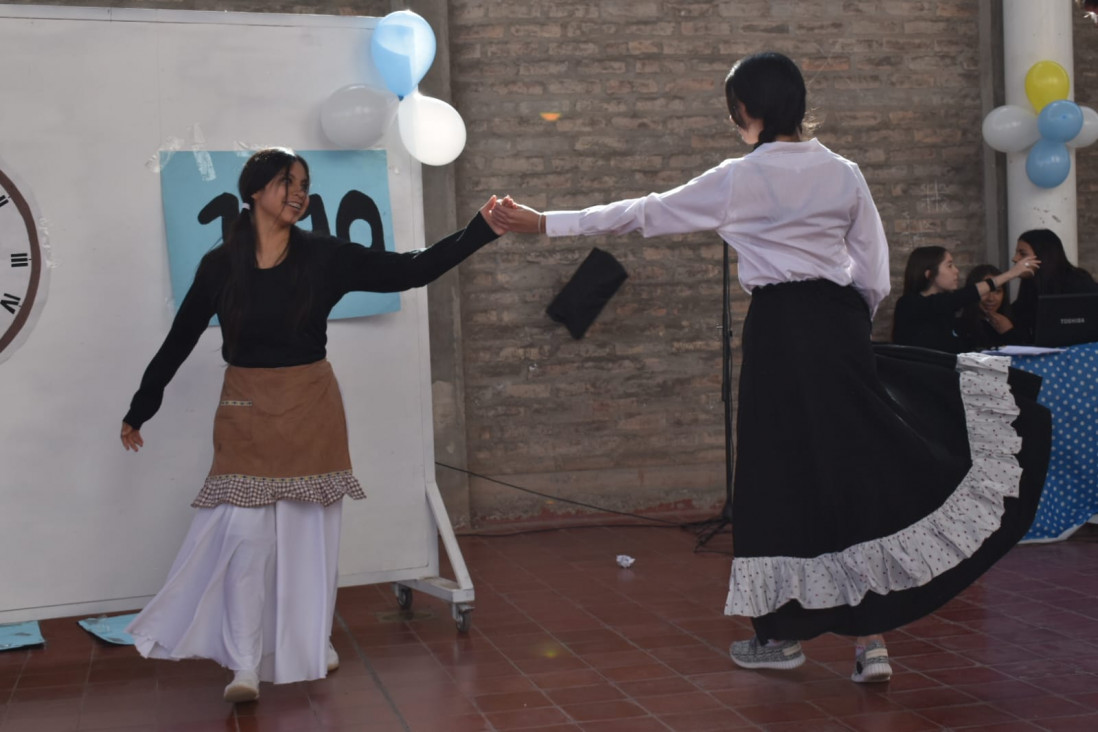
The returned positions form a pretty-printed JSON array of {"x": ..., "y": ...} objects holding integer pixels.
[{"x": 279, "y": 434}]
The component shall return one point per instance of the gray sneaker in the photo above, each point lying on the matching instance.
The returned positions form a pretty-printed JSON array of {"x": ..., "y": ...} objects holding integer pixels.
[
  {"x": 871, "y": 665},
  {"x": 752, "y": 654}
]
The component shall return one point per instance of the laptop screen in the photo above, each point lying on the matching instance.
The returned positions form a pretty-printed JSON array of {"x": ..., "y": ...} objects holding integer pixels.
[{"x": 1066, "y": 320}]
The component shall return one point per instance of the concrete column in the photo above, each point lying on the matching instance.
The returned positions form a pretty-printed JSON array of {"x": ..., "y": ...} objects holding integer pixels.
[
  {"x": 997, "y": 250},
  {"x": 1032, "y": 32}
]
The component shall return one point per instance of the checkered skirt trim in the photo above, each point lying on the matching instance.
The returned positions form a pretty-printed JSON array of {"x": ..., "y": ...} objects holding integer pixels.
[{"x": 249, "y": 491}]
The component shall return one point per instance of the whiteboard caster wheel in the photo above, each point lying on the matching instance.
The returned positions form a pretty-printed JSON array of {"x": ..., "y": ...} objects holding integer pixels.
[
  {"x": 462, "y": 616},
  {"x": 404, "y": 596}
]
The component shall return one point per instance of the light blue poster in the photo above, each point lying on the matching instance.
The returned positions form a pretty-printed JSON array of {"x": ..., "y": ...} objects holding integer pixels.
[{"x": 349, "y": 198}]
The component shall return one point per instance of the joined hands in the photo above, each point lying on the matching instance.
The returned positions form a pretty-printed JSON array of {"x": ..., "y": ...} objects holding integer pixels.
[{"x": 505, "y": 215}]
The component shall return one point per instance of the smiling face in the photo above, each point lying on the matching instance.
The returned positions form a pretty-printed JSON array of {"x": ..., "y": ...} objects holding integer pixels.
[
  {"x": 285, "y": 199},
  {"x": 992, "y": 301}
]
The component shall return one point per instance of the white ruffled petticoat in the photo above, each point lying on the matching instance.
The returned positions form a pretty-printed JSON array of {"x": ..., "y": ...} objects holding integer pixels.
[{"x": 251, "y": 588}]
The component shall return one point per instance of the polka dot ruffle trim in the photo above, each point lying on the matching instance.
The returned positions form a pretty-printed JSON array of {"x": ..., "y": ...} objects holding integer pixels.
[{"x": 917, "y": 554}]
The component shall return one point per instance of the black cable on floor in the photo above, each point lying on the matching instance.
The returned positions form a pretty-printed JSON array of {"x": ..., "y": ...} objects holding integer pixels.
[
  {"x": 546, "y": 529},
  {"x": 592, "y": 507}
]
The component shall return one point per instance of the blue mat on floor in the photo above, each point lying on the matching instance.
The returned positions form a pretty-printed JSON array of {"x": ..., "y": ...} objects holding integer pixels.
[
  {"x": 112, "y": 629},
  {"x": 18, "y": 635}
]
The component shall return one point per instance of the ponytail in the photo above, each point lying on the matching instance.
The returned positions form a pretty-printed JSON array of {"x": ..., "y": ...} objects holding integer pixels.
[
  {"x": 772, "y": 89},
  {"x": 239, "y": 249},
  {"x": 768, "y": 134}
]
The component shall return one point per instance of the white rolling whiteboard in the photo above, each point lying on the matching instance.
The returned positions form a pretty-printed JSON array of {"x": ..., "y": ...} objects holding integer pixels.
[{"x": 87, "y": 98}]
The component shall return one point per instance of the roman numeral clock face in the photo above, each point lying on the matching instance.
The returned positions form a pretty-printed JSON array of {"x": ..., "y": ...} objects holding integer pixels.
[{"x": 20, "y": 265}]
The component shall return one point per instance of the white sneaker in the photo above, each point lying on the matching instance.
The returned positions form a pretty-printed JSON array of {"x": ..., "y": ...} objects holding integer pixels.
[
  {"x": 243, "y": 688},
  {"x": 871, "y": 665},
  {"x": 333, "y": 658}
]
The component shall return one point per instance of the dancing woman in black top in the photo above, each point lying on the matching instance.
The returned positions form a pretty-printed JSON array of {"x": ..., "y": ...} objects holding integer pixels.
[
  {"x": 1056, "y": 276},
  {"x": 926, "y": 311},
  {"x": 253, "y": 586}
]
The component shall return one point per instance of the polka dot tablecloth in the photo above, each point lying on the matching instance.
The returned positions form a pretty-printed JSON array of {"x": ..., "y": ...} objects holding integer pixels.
[{"x": 1070, "y": 391}]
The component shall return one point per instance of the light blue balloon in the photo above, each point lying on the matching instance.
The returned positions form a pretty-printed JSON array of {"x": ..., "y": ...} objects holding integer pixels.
[
  {"x": 1048, "y": 163},
  {"x": 1060, "y": 121},
  {"x": 403, "y": 47}
]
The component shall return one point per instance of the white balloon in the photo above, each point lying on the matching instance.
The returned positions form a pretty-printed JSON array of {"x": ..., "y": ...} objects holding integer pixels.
[
  {"x": 357, "y": 116},
  {"x": 432, "y": 130},
  {"x": 1010, "y": 128},
  {"x": 1089, "y": 134}
]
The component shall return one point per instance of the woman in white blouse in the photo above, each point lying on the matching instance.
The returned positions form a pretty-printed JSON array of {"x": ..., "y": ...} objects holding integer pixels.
[{"x": 848, "y": 518}]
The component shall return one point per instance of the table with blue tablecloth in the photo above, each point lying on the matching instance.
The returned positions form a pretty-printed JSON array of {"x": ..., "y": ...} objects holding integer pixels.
[{"x": 1070, "y": 391}]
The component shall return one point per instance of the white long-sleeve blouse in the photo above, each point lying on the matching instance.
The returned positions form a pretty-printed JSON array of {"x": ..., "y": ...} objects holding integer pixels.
[{"x": 791, "y": 210}]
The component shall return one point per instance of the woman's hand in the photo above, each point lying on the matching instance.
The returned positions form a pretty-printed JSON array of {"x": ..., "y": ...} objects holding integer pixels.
[
  {"x": 999, "y": 322},
  {"x": 131, "y": 438},
  {"x": 488, "y": 211},
  {"x": 1026, "y": 266},
  {"x": 518, "y": 218}
]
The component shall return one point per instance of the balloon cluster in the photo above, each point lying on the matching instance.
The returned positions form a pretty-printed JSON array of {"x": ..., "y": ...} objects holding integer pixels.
[
  {"x": 358, "y": 116},
  {"x": 1057, "y": 125}
]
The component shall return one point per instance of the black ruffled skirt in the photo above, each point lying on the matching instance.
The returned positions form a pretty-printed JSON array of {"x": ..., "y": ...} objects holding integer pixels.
[{"x": 872, "y": 484}]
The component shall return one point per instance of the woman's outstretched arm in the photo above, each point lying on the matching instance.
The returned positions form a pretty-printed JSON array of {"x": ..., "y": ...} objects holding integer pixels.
[
  {"x": 190, "y": 322},
  {"x": 356, "y": 268},
  {"x": 701, "y": 205}
]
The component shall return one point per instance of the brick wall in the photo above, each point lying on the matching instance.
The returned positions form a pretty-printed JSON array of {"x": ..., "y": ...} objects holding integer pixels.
[{"x": 631, "y": 415}]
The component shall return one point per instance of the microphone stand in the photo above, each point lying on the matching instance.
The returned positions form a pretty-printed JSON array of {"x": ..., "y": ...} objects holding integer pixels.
[{"x": 711, "y": 527}]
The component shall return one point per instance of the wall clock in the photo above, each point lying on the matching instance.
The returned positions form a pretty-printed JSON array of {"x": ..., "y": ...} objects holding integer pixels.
[{"x": 20, "y": 266}]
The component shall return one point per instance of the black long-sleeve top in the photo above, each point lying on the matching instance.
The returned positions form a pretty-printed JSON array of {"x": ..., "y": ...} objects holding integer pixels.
[
  {"x": 267, "y": 339},
  {"x": 980, "y": 335},
  {"x": 928, "y": 320}
]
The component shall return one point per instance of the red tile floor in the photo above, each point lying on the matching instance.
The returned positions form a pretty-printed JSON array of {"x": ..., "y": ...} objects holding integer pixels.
[{"x": 563, "y": 639}]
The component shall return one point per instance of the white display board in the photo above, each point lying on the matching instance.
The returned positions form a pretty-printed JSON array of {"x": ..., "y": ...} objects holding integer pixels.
[{"x": 87, "y": 99}]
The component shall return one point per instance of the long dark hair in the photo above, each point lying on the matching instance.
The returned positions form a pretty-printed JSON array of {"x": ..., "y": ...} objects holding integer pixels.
[
  {"x": 1056, "y": 275},
  {"x": 772, "y": 89},
  {"x": 919, "y": 262},
  {"x": 972, "y": 316},
  {"x": 239, "y": 247}
]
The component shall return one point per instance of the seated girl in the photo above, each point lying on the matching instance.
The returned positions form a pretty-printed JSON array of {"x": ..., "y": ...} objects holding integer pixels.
[
  {"x": 1055, "y": 276},
  {"x": 926, "y": 311},
  {"x": 988, "y": 322}
]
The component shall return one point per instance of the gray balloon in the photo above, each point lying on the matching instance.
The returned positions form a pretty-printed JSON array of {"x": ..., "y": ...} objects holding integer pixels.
[{"x": 357, "y": 116}]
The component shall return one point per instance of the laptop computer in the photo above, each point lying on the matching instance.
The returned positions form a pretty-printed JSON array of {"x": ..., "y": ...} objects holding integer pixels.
[{"x": 1066, "y": 320}]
